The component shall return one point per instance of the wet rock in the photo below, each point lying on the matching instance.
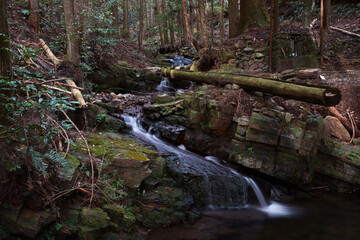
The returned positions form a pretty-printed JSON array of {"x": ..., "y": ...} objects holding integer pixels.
[
  {"x": 112, "y": 124},
  {"x": 337, "y": 129},
  {"x": 163, "y": 98},
  {"x": 291, "y": 138},
  {"x": 115, "y": 212},
  {"x": 93, "y": 223},
  {"x": 24, "y": 222}
]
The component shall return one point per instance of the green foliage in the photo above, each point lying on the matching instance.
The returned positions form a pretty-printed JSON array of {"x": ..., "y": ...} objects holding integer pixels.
[
  {"x": 100, "y": 118},
  {"x": 26, "y": 105}
]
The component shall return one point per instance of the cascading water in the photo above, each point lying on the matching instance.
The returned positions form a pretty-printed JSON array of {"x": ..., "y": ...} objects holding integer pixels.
[{"x": 224, "y": 187}]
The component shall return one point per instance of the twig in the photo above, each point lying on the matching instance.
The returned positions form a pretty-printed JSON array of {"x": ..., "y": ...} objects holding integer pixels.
[
  {"x": 352, "y": 125},
  {"x": 56, "y": 89},
  {"x": 322, "y": 187},
  {"x": 89, "y": 153},
  {"x": 66, "y": 135}
]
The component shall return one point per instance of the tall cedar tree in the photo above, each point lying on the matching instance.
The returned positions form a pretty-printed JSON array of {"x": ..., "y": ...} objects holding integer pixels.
[
  {"x": 253, "y": 14},
  {"x": 234, "y": 18},
  {"x": 202, "y": 20},
  {"x": 34, "y": 17},
  {"x": 72, "y": 35}
]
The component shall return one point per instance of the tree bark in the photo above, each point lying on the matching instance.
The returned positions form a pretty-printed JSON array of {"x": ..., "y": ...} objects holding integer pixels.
[
  {"x": 252, "y": 14},
  {"x": 234, "y": 18},
  {"x": 222, "y": 27},
  {"x": 327, "y": 13},
  {"x": 212, "y": 23},
  {"x": 191, "y": 39},
  {"x": 276, "y": 16},
  {"x": 141, "y": 24},
  {"x": 115, "y": 14},
  {"x": 34, "y": 17},
  {"x": 322, "y": 95},
  {"x": 5, "y": 59},
  {"x": 157, "y": 13},
  {"x": 73, "y": 38},
  {"x": 202, "y": 19},
  {"x": 165, "y": 23},
  {"x": 5, "y": 54},
  {"x": 126, "y": 33}
]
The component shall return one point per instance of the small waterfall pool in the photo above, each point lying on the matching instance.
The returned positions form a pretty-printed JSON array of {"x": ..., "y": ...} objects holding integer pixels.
[
  {"x": 229, "y": 216},
  {"x": 225, "y": 188}
]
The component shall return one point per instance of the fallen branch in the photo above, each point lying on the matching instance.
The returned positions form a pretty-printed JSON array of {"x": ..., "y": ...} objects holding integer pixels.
[
  {"x": 77, "y": 94},
  {"x": 66, "y": 136},
  {"x": 49, "y": 53},
  {"x": 343, "y": 120},
  {"x": 345, "y": 32},
  {"x": 352, "y": 126}
]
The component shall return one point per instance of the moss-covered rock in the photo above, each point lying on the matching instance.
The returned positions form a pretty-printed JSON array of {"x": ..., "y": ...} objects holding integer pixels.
[
  {"x": 115, "y": 212},
  {"x": 93, "y": 223}
]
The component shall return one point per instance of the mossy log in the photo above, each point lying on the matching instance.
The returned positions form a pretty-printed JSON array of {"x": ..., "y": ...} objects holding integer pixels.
[{"x": 323, "y": 95}]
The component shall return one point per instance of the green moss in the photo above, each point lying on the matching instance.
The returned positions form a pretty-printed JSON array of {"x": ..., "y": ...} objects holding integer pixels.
[
  {"x": 109, "y": 145},
  {"x": 94, "y": 218},
  {"x": 115, "y": 212}
]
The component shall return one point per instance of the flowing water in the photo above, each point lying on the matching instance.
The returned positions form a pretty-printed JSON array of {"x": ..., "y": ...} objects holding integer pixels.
[{"x": 230, "y": 214}]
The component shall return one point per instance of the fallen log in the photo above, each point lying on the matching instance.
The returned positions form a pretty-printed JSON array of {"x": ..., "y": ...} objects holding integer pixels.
[
  {"x": 323, "y": 95},
  {"x": 76, "y": 93}
]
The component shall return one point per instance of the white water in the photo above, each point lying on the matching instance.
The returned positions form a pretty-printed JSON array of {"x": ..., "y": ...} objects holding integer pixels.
[{"x": 212, "y": 171}]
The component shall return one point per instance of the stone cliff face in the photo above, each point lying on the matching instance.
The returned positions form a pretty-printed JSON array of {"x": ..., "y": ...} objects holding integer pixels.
[{"x": 266, "y": 138}]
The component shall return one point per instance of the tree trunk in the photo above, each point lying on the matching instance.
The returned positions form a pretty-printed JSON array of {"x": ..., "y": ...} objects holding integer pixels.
[
  {"x": 141, "y": 24},
  {"x": 322, "y": 33},
  {"x": 165, "y": 23},
  {"x": 126, "y": 33},
  {"x": 191, "y": 16},
  {"x": 222, "y": 27},
  {"x": 234, "y": 18},
  {"x": 202, "y": 18},
  {"x": 212, "y": 23},
  {"x": 327, "y": 13},
  {"x": 191, "y": 39},
  {"x": 322, "y": 95},
  {"x": 158, "y": 21},
  {"x": 73, "y": 38},
  {"x": 5, "y": 58},
  {"x": 115, "y": 14},
  {"x": 252, "y": 14},
  {"x": 34, "y": 17},
  {"x": 276, "y": 16}
]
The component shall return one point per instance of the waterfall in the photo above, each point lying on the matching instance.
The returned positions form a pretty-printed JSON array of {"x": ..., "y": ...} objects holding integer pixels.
[{"x": 223, "y": 186}]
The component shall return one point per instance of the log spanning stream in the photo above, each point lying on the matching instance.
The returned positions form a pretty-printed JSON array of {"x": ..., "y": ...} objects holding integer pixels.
[{"x": 232, "y": 214}]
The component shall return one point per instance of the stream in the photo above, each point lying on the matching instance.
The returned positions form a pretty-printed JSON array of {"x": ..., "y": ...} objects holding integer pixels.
[{"x": 236, "y": 207}]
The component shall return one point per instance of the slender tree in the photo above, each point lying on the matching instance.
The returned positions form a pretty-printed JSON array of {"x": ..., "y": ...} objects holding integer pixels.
[
  {"x": 5, "y": 57},
  {"x": 276, "y": 16},
  {"x": 126, "y": 33},
  {"x": 141, "y": 24},
  {"x": 191, "y": 39},
  {"x": 202, "y": 20},
  {"x": 34, "y": 17},
  {"x": 164, "y": 22},
  {"x": 234, "y": 18},
  {"x": 222, "y": 28},
  {"x": 115, "y": 14},
  {"x": 327, "y": 13},
  {"x": 73, "y": 38}
]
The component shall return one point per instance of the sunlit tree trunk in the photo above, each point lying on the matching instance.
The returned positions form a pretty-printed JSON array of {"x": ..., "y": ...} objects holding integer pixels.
[
  {"x": 126, "y": 33},
  {"x": 234, "y": 18},
  {"x": 73, "y": 38},
  {"x": 34, "y": 17},
  {"x": 222, "y": 28},
  {"x": 202, "y": 18},
  {"x": 141, "y": 24}
]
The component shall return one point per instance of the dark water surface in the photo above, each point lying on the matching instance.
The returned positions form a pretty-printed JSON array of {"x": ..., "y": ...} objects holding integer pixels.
[{"x": 324, "y": 217}]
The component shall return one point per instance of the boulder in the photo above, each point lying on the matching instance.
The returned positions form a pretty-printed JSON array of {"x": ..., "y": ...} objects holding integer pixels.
[
  {"x": 93, "y": 223},
  {"x": 337, "y": 129}
]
